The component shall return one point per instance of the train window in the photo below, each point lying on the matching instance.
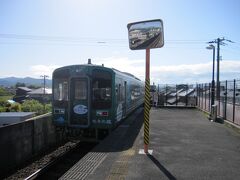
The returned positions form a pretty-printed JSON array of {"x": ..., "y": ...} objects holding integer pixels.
[
  {"x": 60, "y": 90},
  {"x": 121, "y": 93},
  {"x": 81, "y": 90},
  {"x": 135, "y": 92},
  {"x": 101, "y": 88}
]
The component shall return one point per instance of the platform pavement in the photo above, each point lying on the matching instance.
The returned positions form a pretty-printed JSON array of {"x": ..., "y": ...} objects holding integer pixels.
[{"x": 185, "y": 144}]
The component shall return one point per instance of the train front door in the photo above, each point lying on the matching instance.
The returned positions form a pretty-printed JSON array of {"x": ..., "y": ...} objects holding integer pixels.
[{"x": 79, "y": 102}]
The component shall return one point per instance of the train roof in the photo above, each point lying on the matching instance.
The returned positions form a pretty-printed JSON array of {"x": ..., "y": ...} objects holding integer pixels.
[
  {"x": 126, "y": 73},
  {"x": 76, "y": 65},
  {"x": 99, "y": 66}
]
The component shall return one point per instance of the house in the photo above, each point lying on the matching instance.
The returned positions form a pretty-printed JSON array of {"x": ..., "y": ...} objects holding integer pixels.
[
  {"x": 41, "y": 94},
  {"x": 21, "y": 94}
]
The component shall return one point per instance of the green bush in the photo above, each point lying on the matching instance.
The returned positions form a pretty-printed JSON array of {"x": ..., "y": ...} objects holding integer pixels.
[
  {"x": 16, "y": 107},
  {"x": 27, "y": 106},
  {"x": 4, "y": 92},
  {"x": 48, "y": 108},
  {"x": 2, "y": 109},
  {"x": 7, "y": 107},
  {"x": 3, "y": 103},
  {"x": 33, "y": 106}
]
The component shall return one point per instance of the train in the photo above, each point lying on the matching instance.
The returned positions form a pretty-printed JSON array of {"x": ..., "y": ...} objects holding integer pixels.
[{"x": 89, "y": 100}]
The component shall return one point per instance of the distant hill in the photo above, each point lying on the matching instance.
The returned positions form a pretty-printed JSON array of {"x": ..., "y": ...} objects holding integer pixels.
[{"x": 11, "y": 81}]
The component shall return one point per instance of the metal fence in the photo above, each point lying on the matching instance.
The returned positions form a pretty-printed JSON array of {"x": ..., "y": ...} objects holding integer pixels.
[
  {"x": 227, "y": 99},
  {"x": 174, "y": 95}
]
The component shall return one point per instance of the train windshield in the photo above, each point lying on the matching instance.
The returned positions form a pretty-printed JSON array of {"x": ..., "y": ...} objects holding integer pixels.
[
  {"x": 102, "y": 83},
  {"x": 60, "y": 90},
  {"x": 81, "y": 90}
]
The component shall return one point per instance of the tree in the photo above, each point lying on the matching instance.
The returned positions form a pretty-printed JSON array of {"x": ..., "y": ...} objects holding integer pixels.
[
  {"x": 18, "y": 84},
  {"x": 33, "y": 86}
]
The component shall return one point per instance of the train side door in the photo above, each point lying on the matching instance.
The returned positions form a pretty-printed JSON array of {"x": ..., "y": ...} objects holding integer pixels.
[
  {"x": 125, "y": 98},
  {"x": 79, "y": 102}
]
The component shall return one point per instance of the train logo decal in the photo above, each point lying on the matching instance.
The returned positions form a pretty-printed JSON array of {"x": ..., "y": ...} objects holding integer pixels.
[{"x": 80, "y": 109}]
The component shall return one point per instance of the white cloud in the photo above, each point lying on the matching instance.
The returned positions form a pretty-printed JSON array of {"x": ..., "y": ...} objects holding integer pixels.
[
  {"x": 184, "y": 73},
  {"x": 38, "y": 70},
  {"x": 134, "y": 66},
  {"x": 191, "y": 73},
  {"x": 230, "y": 66}
]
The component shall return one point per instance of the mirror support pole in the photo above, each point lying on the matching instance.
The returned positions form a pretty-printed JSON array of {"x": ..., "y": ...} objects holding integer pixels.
[{"x": 147, "y": 102}]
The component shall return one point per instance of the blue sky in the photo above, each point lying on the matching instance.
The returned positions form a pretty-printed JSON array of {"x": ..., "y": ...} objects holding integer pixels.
[{"x": 38, "y": 36}]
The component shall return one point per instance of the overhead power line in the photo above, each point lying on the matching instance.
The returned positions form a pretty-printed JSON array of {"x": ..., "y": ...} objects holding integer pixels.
[
  {"x": 69, "y": 39},
  {"x": 55, "y": 38}
]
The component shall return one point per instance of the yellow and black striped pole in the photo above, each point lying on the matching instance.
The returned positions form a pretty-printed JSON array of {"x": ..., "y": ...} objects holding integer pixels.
[{"x": 147, "y": 102}]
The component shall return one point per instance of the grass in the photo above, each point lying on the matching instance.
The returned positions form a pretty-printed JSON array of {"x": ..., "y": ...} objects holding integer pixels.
[{"x": 5, "y": 98}]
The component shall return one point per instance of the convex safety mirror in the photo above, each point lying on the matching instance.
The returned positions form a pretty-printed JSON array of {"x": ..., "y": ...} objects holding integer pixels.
[{"x": 146, "y": 34}]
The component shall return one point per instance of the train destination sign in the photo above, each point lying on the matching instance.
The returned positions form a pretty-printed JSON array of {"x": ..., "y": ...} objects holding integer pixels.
[{"x": 146, "y": 34}]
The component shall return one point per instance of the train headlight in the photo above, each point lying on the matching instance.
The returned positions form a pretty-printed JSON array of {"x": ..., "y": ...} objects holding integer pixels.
[{"x": 102, "y": 113}]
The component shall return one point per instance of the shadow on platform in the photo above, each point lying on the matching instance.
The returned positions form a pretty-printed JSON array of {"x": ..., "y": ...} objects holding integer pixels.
[
  {"x": 124, "y": 136},
  {"x": 161, "y": 167}
]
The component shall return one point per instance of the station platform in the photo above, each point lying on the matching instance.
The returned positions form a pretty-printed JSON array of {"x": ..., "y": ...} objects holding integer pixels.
[{"x": 184, "y": 144}]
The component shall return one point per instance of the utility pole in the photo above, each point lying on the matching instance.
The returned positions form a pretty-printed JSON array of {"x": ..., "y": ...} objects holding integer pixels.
[
  {"x": 44, "y": 83},
  {"x": 219, "y": 41},
  {"x": 44, "y": 87}
]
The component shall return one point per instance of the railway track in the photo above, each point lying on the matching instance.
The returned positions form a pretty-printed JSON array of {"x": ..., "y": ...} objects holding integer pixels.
[
  {"x": 60, "y": 164},
  {"x": 54, "y": 164}
]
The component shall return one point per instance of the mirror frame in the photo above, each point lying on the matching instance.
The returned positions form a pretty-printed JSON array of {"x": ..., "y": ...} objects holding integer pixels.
[{"x": 159, "y": 44}]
